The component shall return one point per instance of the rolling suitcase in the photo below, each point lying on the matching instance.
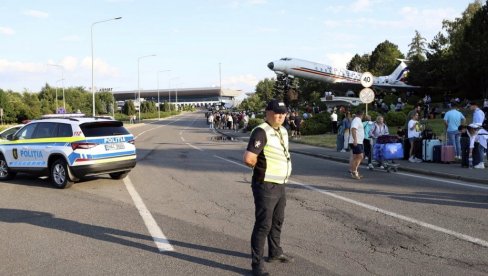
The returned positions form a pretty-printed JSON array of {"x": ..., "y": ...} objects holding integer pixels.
[
  {"x": 437, "y": 155},
  {"x": 406, "y": 148},
  {"x": 447, "y": 153},
  {"x": 428, "y": 149}
]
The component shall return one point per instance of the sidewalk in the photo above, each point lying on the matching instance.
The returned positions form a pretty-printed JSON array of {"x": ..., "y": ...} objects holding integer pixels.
[{"x": 451, "y": 171}]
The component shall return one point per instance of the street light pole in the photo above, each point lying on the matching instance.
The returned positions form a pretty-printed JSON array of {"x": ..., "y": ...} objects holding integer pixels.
[
  {"x": 159, "y": 104},
  {"x": 57, "y": 95},
  {"x": 92, "y": 86},
  {"x": 138, "y": 81},
  {"x": 169, "y": 91},
  {"x": 62, "y": 78}
]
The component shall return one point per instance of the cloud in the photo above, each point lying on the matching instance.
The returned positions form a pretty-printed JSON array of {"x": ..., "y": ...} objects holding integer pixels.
[
  {"x": 6, "y": 31},
  {"x": 20, "y": 66},
  {"x": 244, "y": 82},
  {"x": 339, "y": 60},
  {"x": 361, "y": 5},
  {"x": 36, "y": 14},
  {"x": 100, "y": 67},
  {"x": 257, "y": 2}
]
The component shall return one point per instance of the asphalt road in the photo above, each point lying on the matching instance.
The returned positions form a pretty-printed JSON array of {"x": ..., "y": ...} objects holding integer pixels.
[{"x": 187, "y": 209}]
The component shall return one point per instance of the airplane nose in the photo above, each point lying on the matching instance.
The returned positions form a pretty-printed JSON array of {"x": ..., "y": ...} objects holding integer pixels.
[{"x": 271, "y": 65}]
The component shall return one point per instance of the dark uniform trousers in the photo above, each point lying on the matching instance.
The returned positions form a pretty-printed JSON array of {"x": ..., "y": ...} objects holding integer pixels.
[{"x": 270, "y": 202}]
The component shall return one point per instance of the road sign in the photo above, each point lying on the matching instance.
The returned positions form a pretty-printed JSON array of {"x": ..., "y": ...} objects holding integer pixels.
[
  {"x": 366, "y": 95},
  {"x": 366, "y": 79}
]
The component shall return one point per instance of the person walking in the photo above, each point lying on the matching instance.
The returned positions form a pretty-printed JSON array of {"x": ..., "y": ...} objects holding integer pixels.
[
  {"x": 452, "y": 120},
  {"x": 346, "y": 129},
  {"x": 413, "y": 133},
  {"x": 367, "y": 143},
  {"x": 356, "y": 144},
  {"x": 210, "y": 121},
  {"x": 333, "y": 118},
  {"x": 268, "y": 154},
  {"x": 378, "y": 129}
]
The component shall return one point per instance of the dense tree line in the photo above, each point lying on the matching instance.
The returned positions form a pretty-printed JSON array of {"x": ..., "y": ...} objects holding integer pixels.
[
  {"x": 454, "y": 63},
  {"x": 18, "y": 107}
]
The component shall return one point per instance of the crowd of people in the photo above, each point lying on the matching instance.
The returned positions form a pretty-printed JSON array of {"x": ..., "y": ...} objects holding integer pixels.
[
  {"x": 468, "y": 139},
  {"x": 228, "y": 120}
]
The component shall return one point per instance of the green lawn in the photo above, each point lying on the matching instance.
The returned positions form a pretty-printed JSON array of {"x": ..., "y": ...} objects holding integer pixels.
[{"x": 329, "y": 140}]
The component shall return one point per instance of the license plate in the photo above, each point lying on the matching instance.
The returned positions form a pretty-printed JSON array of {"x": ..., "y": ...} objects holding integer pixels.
[{"x": 117, "y": 146}]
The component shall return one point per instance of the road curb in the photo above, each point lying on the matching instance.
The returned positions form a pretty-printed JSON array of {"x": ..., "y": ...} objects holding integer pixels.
[{"x": 404, "y": 169}]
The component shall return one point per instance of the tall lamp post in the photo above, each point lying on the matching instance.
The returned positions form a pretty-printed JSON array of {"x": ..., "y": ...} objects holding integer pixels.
[
  {"x": 159, "y": 103},
  {"x": 57, "y": 95},
  {"x": 169, "y": 91},
  {"x": 138, "y": 81},
  {"x": 92, "y": 86},
  {"x": 62, "y": 78}
]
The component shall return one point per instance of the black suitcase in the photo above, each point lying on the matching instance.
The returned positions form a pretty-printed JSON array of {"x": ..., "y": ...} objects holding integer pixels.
[
  {"x": 406, "y": 148},
  {"x": 465, "y": 152},
  {"x": 436, "y": 154}
]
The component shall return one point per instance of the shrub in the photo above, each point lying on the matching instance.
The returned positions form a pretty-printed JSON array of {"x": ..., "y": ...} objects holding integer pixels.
[
  {"x": 318, "y": 124},
  {"x": 413, "y": 100},
  {"x": 373, "y": 114},
  {"x": 390, "y": 99},
  {"x": 393, "y": 118},
  {"x": 253, "y": 122}
]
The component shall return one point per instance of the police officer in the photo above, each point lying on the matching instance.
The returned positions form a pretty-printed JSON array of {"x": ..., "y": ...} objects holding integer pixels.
[{"x": 267, "y": 153}]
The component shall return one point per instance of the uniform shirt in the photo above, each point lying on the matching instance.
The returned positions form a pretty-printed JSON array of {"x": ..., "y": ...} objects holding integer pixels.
[
  {"x": 256, "y": 145},
  {"x": 357, "y": 123},
  {"x": 453, "y": 119}
]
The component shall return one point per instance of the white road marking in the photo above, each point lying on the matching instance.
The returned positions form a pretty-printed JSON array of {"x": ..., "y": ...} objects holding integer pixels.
[
  {"x": 482, "y": 187},
  {"x": 159, "y": 238},
  {"x": 157, "y": 127},
  {"x": 385, "y": 212},
  {"x": 195, "y": 147}
]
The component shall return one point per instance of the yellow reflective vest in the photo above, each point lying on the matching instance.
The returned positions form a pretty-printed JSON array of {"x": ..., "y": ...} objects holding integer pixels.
[{"x": 277, "y": 165}]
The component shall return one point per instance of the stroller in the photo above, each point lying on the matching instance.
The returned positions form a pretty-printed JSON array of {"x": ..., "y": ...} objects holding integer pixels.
[{"x": 386, "y": 149}]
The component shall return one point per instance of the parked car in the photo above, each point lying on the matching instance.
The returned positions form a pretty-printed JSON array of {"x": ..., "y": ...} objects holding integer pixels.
[{"x": 10, "y": 130}]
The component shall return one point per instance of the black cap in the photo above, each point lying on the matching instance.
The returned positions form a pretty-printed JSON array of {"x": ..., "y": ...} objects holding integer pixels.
[{"x": 276, "y": 106}]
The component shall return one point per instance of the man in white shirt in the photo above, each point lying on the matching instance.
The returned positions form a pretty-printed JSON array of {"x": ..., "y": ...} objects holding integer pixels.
[
  {"x": 333, "y": 118},
  {"x": 356, "y": 144}
]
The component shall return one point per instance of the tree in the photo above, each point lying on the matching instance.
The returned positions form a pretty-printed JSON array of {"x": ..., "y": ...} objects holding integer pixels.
[
  {"x": 129, "y": 108},
  {"x": 417, "y": 48},
  {"x": 359, "y": 63},
  {"x": 252, "y": 103},
  {"x": 383, "y": 59},
  {"x": 264, "y": 89},
  {"x": 473, "y": 55}
]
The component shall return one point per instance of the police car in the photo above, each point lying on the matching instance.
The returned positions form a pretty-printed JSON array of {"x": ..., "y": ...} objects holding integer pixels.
[{"x": 68, "y": 148}]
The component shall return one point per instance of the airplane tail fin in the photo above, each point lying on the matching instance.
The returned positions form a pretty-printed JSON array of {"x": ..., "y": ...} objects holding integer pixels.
[{"x": 400, "y": 72}]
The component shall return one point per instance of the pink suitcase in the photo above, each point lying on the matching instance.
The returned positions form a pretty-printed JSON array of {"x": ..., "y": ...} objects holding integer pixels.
[{"x": 447, "y": 153}]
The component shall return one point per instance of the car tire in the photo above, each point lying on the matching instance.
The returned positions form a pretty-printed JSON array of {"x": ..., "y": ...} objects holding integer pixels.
[
  {"x": 5, "y": 172},
  {"x": 59, "y": 174},
  {"x": 119, "y": 175}
]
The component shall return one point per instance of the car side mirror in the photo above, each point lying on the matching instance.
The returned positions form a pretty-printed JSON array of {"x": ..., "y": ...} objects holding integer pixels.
[{"x": 10, "y": 136}]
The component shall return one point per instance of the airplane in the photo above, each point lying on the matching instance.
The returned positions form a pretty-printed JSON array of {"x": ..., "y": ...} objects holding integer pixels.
[{"x": 315, "y": 71}]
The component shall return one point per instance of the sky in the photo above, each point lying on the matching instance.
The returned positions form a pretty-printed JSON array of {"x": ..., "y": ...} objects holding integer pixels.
[{"x": 202, "y": 42}]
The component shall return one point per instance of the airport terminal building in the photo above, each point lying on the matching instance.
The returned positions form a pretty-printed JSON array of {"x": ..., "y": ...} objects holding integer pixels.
[{"x": 199, "y": 97}]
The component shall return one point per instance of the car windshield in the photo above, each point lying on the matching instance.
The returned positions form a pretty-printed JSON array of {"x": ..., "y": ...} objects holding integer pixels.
[
  {"x": 105, "y": 128},
  {"x": 4, "y": 134}
]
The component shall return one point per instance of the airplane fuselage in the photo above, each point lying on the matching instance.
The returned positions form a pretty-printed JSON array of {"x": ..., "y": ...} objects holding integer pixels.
[{"x": 321, "y": 72}]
